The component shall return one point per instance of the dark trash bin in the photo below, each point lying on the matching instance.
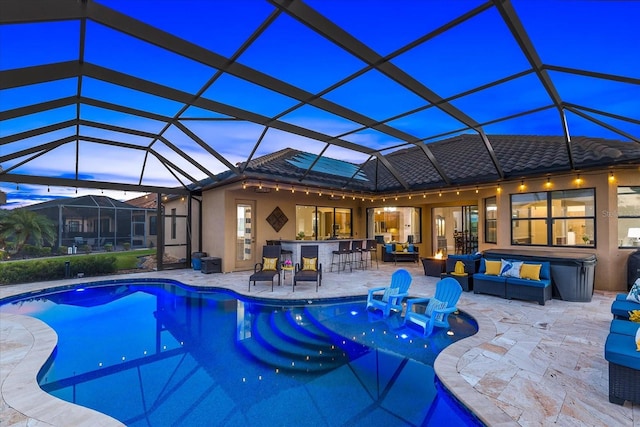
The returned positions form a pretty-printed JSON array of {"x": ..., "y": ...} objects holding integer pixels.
[
  {"x": 633, "y": 268},
  {"x": 196, "y": 260}
]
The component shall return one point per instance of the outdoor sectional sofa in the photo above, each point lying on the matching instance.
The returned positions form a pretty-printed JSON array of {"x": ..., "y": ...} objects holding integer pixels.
[
  {"x": 394, "y": 252},
  {"x": 620, "y": 350},
  {"x": 534, "y": 288}
]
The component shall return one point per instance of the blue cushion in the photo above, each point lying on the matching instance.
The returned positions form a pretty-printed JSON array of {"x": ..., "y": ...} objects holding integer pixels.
[
  {"x": 388, "y": 248},
  {"x": 489, "y": 278},
  {"x": 526, "y": 282},
  {"x": 621, "y": 350},
  {"x": 622, "y": 308},
  {"x": 624, "y": 327},
  {"x": 465, "y": 257},
  {"x": 410, "y": 248}
]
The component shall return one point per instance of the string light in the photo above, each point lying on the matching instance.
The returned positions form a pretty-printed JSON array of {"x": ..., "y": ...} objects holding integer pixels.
[
  {"x": 611, "y": 177},
  {"x": 548, "y": 183},
  {"x": 307, "y": 191},
  {"x": 440, "y": 193},
  {"x": 424, "y": 195},
  {"x": 522, "y": 185},
  {"x": 458, "y": 192},
  {"x": 260, "y": 185},
  {"x": 277, "y": 187},
  {"x": 244, "y": 185},
  {"x": 476, "y": 189},
  {"x": 578, "y": 180},
  {"x": 293, "y": 190}
]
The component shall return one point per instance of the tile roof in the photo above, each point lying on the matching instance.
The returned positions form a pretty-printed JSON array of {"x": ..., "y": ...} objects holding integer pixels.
[{"x": 464, "y": 160}]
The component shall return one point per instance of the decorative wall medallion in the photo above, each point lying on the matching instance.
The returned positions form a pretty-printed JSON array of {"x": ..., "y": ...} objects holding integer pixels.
[{"x": 277, "y": 219}]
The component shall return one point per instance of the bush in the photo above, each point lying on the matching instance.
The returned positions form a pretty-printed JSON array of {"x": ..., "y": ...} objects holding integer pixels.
[
  {"x": 108, "y": 247},
  {"x": 63, "y": 250},
  {"x": 85, "y": 249},
  {"x": 45, "y": 251},
  {"x": 126, "y": 246},
  {"x": 53, "y": 269}
]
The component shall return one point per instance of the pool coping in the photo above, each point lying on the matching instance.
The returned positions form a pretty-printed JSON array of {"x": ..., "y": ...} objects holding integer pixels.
[{"x": 30, "y": 400}]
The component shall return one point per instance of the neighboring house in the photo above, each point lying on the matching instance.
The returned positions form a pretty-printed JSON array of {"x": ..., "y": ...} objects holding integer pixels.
[{"x": 96, "y": 221}]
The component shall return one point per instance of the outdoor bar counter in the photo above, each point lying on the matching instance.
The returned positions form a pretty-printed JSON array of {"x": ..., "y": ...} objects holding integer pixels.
[{"x": 325, "y": 247}]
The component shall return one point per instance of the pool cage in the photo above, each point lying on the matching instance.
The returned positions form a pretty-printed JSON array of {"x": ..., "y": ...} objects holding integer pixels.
[{"x": 95, "y": 223}]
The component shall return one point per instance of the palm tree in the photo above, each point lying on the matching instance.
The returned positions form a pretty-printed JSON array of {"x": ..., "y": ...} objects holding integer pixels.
[{"x": 21, "y": 225}]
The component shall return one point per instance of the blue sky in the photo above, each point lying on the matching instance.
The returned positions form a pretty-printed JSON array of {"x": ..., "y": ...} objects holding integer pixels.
[{"x": 570, "y": 36}]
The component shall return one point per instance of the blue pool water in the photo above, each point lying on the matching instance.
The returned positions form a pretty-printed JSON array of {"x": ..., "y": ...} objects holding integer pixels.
[{"x": 163, "y": 354}]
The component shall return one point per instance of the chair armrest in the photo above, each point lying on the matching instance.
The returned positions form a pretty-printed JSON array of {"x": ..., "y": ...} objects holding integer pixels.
[
  {"x": 445, "y": 310},
  {"x": 257, "y": 267},
  {"x": 377, "y": 289},
  {"x": 413, "y": 301}
]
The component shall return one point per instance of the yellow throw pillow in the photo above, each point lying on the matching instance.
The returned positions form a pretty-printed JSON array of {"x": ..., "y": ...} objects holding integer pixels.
[
  {"x": 269, "y": 264},
  {"x": 458, "y": 270},
  {"x": 530, "y": 271},
  {"x": 309, "y": 264},
  {"x": 493, "y": 267},
  {"x": 399, "y": 247}
]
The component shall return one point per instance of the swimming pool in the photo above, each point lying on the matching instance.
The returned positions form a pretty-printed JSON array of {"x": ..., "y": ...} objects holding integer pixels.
[{"x": 162, "y": 353}]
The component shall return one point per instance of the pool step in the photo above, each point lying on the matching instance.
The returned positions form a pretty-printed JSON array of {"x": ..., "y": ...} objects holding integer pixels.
[{"x": 280, "y": 339}]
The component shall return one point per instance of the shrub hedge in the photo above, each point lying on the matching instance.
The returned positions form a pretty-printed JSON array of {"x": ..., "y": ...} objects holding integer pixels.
[{"x": 53, "y": 269}]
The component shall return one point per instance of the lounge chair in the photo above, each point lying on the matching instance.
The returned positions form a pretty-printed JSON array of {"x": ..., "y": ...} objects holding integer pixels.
[
  {"x": 390, "y": 298},
  {"x": 438, "y": 307},
  {"x": 268, "y": 268},
  {"x": 309, "y": 269}
]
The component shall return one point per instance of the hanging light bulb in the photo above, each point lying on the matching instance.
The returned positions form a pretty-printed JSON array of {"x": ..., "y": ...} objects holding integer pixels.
[
  {"x": 293, "y": 190},
  {"x": 440, "y": 193},
  {"x": 458, "y": 192},
  {"x": 307, "y": 191},
  {"x": 424, "y": 195},
  {"x": 260, "y": 185},
  {"x": 499, "y": 189},
  {"x": 277, "y": 187},
  {"x": 48, "y": 189},
  {"x": 476, "y": 189},
  {"x": 17, "y": 186},
  {"x": 548, "y": 183},
  {"x": 578, "y": 180},
  {"x": 244, "y": 185},
  {"x": 611, "y": 177},
  {"x": 522, "y": 185}
]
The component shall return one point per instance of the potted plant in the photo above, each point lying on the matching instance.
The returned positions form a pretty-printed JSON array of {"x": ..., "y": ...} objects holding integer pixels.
[
  {"x": 585, "y": 239},
  {"x": 300, "y": 236}
]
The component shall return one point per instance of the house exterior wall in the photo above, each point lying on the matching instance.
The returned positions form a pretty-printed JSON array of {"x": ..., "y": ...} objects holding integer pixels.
[{"x": 219, "y": 227}]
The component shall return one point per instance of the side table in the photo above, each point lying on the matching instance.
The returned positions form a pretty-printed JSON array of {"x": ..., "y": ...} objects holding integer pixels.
[
  {"x": 284, "y": 273},
  {"x": 466, "y": 281}
]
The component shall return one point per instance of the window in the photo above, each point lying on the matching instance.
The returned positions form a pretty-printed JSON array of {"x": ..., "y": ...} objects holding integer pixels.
[
  {"x": 394, "y": 224},
  {"x": 318, "y": 223},
  {"x": 174, "y": 223},
  {"x": 628, "y": 217},
  {"x": 153, "y": 225},
  {"x": 490, "y": 220},
  {"x": 556, "y": 218},
  {"x": 74, "y": 226}
]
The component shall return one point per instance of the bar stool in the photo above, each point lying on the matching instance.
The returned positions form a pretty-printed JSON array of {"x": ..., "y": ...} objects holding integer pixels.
[
  {"x": 344, "y": 256},
  {"x": 284, "y": 253},
  {"x": 356, "y": 253},
  {"x": 372, "y": 250}
]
